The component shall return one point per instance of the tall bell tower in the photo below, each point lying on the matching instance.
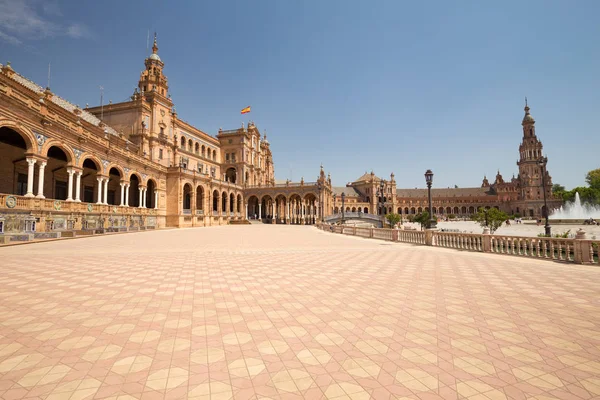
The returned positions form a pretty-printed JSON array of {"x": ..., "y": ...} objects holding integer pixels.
[
  {"x": 530, "y": 151},
  {"x": 152, "y": 79}
]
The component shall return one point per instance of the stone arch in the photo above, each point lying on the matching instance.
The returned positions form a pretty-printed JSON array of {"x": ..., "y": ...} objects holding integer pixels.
[
  {"x": 200, "y": 191},
  {"x": 15, "y": 169},
  {"x": 231, "y": 175},
  {"x": 118, "y": 168},
  {"x": 252, "y": 206},
  {"x": 151, "y": 189},
  {"x": 463, "y": 210},
  {"x": 353, "y": 209},
  {"x": 197, "y": 148},
  {"x": 456, "y": 212},
  {"x": 214, "y": 155},
  {"x": 24, "y": 132},
  {"x": 94, "y": 159},
  {"x": 182, "y": 143},
  {"x": 239, "y": 203},
  {"x": 231, "y": 208},
  {"x": 55, "y": 143},
  {"x": 448, "y": 210},
  {"x": 224, "y": 199},
  {"x": 366, "y": 210},
  {"x": 190, "y": 147},
  {"x": 115, "y": 176},
  {"x": 203, "y": 151},
  {"x": 215, "y": 201},
  {"x": 471, "y": 210},
  {"x": 187, "y": 196}
]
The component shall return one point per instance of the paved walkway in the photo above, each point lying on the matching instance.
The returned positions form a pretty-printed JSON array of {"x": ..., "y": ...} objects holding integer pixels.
[{"x": 250, "y": 312}]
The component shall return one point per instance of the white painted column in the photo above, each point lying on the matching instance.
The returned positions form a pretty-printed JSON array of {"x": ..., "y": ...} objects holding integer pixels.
[
  {"x": 127, "y": 195},
  {"x": 105, "y": 191},
  {"x": 41, "y": 169},
  {"x": 144, "y": 197},
  {"x": 100, "y": 180},
  {"x": 70, "y": 184},
  {"x": 122, "y": 184},
  {"x": 155, "y": 198},
  {"x": 287, "y": 209},
  {"x": 259, "y": 210},
  {"x": 30, "y": 173},
  {"x": 246, "y": 210},
  {"x": 140, "y": 204},
  {"x": 78, "y": 186}
]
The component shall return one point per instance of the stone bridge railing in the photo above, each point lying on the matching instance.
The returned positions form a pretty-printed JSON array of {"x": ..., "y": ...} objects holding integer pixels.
[
  {"x": 579, "y": 250},
  {"x": 353, "y": 215}
]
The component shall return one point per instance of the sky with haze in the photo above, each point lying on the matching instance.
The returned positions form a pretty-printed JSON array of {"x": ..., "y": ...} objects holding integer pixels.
[{"x": 382, "y": 85}]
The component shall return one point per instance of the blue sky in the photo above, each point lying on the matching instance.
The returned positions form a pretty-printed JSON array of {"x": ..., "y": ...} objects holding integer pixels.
[{"x": 356, "y": 85}]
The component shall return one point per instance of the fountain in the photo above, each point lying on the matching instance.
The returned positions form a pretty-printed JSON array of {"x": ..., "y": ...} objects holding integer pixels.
[{"x": 575, "y": 212}]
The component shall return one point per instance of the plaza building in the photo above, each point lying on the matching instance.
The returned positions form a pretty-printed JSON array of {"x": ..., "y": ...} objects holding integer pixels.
[{"x": 133, "y": 165}]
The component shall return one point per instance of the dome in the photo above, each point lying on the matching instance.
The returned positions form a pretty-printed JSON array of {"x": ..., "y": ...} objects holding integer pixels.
[
  {"x": 527, "y": 119},
  {"x": 154, "y": 56}
]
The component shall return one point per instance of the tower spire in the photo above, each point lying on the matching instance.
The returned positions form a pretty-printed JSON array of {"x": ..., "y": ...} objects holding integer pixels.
[{"x": 155, "y": 46}]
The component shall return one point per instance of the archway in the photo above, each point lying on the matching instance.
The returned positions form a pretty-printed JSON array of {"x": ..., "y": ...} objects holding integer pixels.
[
  {"x": 281, "y": 209},
  {"x": 353, "y": 209},
  {"x": 151, "y": 194},
  {"x": 56, "y": 180},
  {"x": 231, "y": 203},
  {"x": 310, "y": 201},
  {"x": 266, "y": 207},
  {"x": 89, "y": 181},
  {"x": 134, "y": 190},
  {"x": 187, "y": 197},
  {"x": 114, "y": 187},
  {"x": 199, "y": 198},
  {"x": 215, "y": 202},
  {"x": 336, "y": 210},
  {"x": 239, "y": 203},
  {"x": 463, "y": 210},
  {"x": 13, "y": 147},
  {"x": 231, "y": 175},
  {"x": 366, "y": 210},
  {"x": 455, "y": 211},
  {"x": 253, "y": 207},
  {"x": 471, "y": 210},
  {"x": 295, "y": 208},
  {"x": 224, "y": 199}
]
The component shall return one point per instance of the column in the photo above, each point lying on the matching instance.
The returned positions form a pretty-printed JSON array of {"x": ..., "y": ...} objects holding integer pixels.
[
  {"x": 41, "y": 180},
  {"x": 155, "y": 198},
  {"x": 70, "y": 184},
  {"x": 259, "y": 210},
  {"x": 100, "y": 180},
  {"x": 122, "y": 184},
  {"x": 246, "y": 210},
  {"x": 78, "y": 186},
  {"x": 144, "y": 197},
  {"x": 140, "y": 204},
  {"x": 127, "y": 195},
  {"x": 30, "y": 172},
  {"x": 105, "y": 191},
  {"x": 287, "y": 215}
]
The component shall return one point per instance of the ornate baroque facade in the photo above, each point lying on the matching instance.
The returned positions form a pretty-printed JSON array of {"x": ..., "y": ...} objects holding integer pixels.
[{"x": 137, "y": 165}]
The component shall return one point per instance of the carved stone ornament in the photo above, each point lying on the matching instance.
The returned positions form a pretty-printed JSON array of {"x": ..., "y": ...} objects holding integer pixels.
[
  {"x": 11, "y": 201},
  {"x": 90, "y": 208}
]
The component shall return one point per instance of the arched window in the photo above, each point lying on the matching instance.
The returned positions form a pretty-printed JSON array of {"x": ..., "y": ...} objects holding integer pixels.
[{"x": 183, "y": 142}]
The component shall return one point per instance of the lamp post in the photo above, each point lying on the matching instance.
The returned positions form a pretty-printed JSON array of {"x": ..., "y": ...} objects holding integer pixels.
[
  {"x": 429, "y": 180},
  {"x": 334, "y": 199},
  {"x": 542, "y": 163},
  {"x": 343, "y": 198},
  {"x": 319, "y": 188}
]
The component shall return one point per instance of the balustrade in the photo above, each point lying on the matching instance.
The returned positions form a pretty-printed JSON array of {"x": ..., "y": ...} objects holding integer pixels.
[{"x": 556, "y": 249}]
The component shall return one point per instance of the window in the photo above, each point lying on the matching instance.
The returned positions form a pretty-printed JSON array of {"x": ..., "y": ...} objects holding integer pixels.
[
  {"x": 22, "y": 184},
  {"x": 144, "y": 88},
  {"x": 88, "y": 194},
  {"x": 160, "y": 154},
  {"x": 227, "y": 157},
  {"x": 60, "y": 190},
  {"x": 162, "y": 130}
]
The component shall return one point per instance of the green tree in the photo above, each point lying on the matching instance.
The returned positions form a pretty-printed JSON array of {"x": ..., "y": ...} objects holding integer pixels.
[
  {"x": 493, "y": 217},
  {"x": 422, "y": 218},
  {"x": 593, "y": 178},
  {"x": 393, "y": 219},
  {"x": 556, "y": 188}
]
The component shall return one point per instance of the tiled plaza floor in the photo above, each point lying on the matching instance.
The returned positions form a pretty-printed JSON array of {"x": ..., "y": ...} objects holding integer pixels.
[{"x": 251, "y": 312}]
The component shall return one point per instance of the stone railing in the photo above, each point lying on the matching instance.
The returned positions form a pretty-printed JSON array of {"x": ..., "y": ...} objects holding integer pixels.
[
  {"x": 9, "y": 202},
  {"x": 579, "y": 250}
]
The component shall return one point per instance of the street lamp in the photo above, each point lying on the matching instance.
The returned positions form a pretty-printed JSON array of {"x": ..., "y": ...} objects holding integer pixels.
[
  {"x": 542, "y": 163},
  {"x": 343, "y": 198},
  {"x": 380, "y": 195},
  {"x": 429, "y": 180},
  {"x": 319, "y": 188},
  {"x": 334, "y": 198}
]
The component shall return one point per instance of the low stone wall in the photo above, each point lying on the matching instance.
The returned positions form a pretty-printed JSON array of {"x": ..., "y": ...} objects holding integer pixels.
[{"x": 579, "y": 250}]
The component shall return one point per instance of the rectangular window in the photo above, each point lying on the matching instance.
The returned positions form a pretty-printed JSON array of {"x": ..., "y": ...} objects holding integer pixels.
[
  {"x": 22, "y": 184},
  {"x": 88, "y": 194},
  {"x": 227, "y": 156},
  {"x": 60, "y": 190},
  {"x": 160, "y": 154}
]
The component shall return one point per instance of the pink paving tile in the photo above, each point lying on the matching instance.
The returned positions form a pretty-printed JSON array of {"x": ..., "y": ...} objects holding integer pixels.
[{"x": 398, "y": 308}]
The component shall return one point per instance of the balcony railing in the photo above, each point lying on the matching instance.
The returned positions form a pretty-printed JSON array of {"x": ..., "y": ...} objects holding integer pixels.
[
  {"x": 579, "y": 250},
  {"x": 14, "y": 202}
]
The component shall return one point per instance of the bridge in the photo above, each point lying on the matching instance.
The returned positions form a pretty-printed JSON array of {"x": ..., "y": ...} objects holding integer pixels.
[{"x": 355, "y": 216}]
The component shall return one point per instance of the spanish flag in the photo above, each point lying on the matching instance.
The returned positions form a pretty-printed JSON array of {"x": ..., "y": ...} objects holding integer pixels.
[{"x": 246, "y": 110}]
